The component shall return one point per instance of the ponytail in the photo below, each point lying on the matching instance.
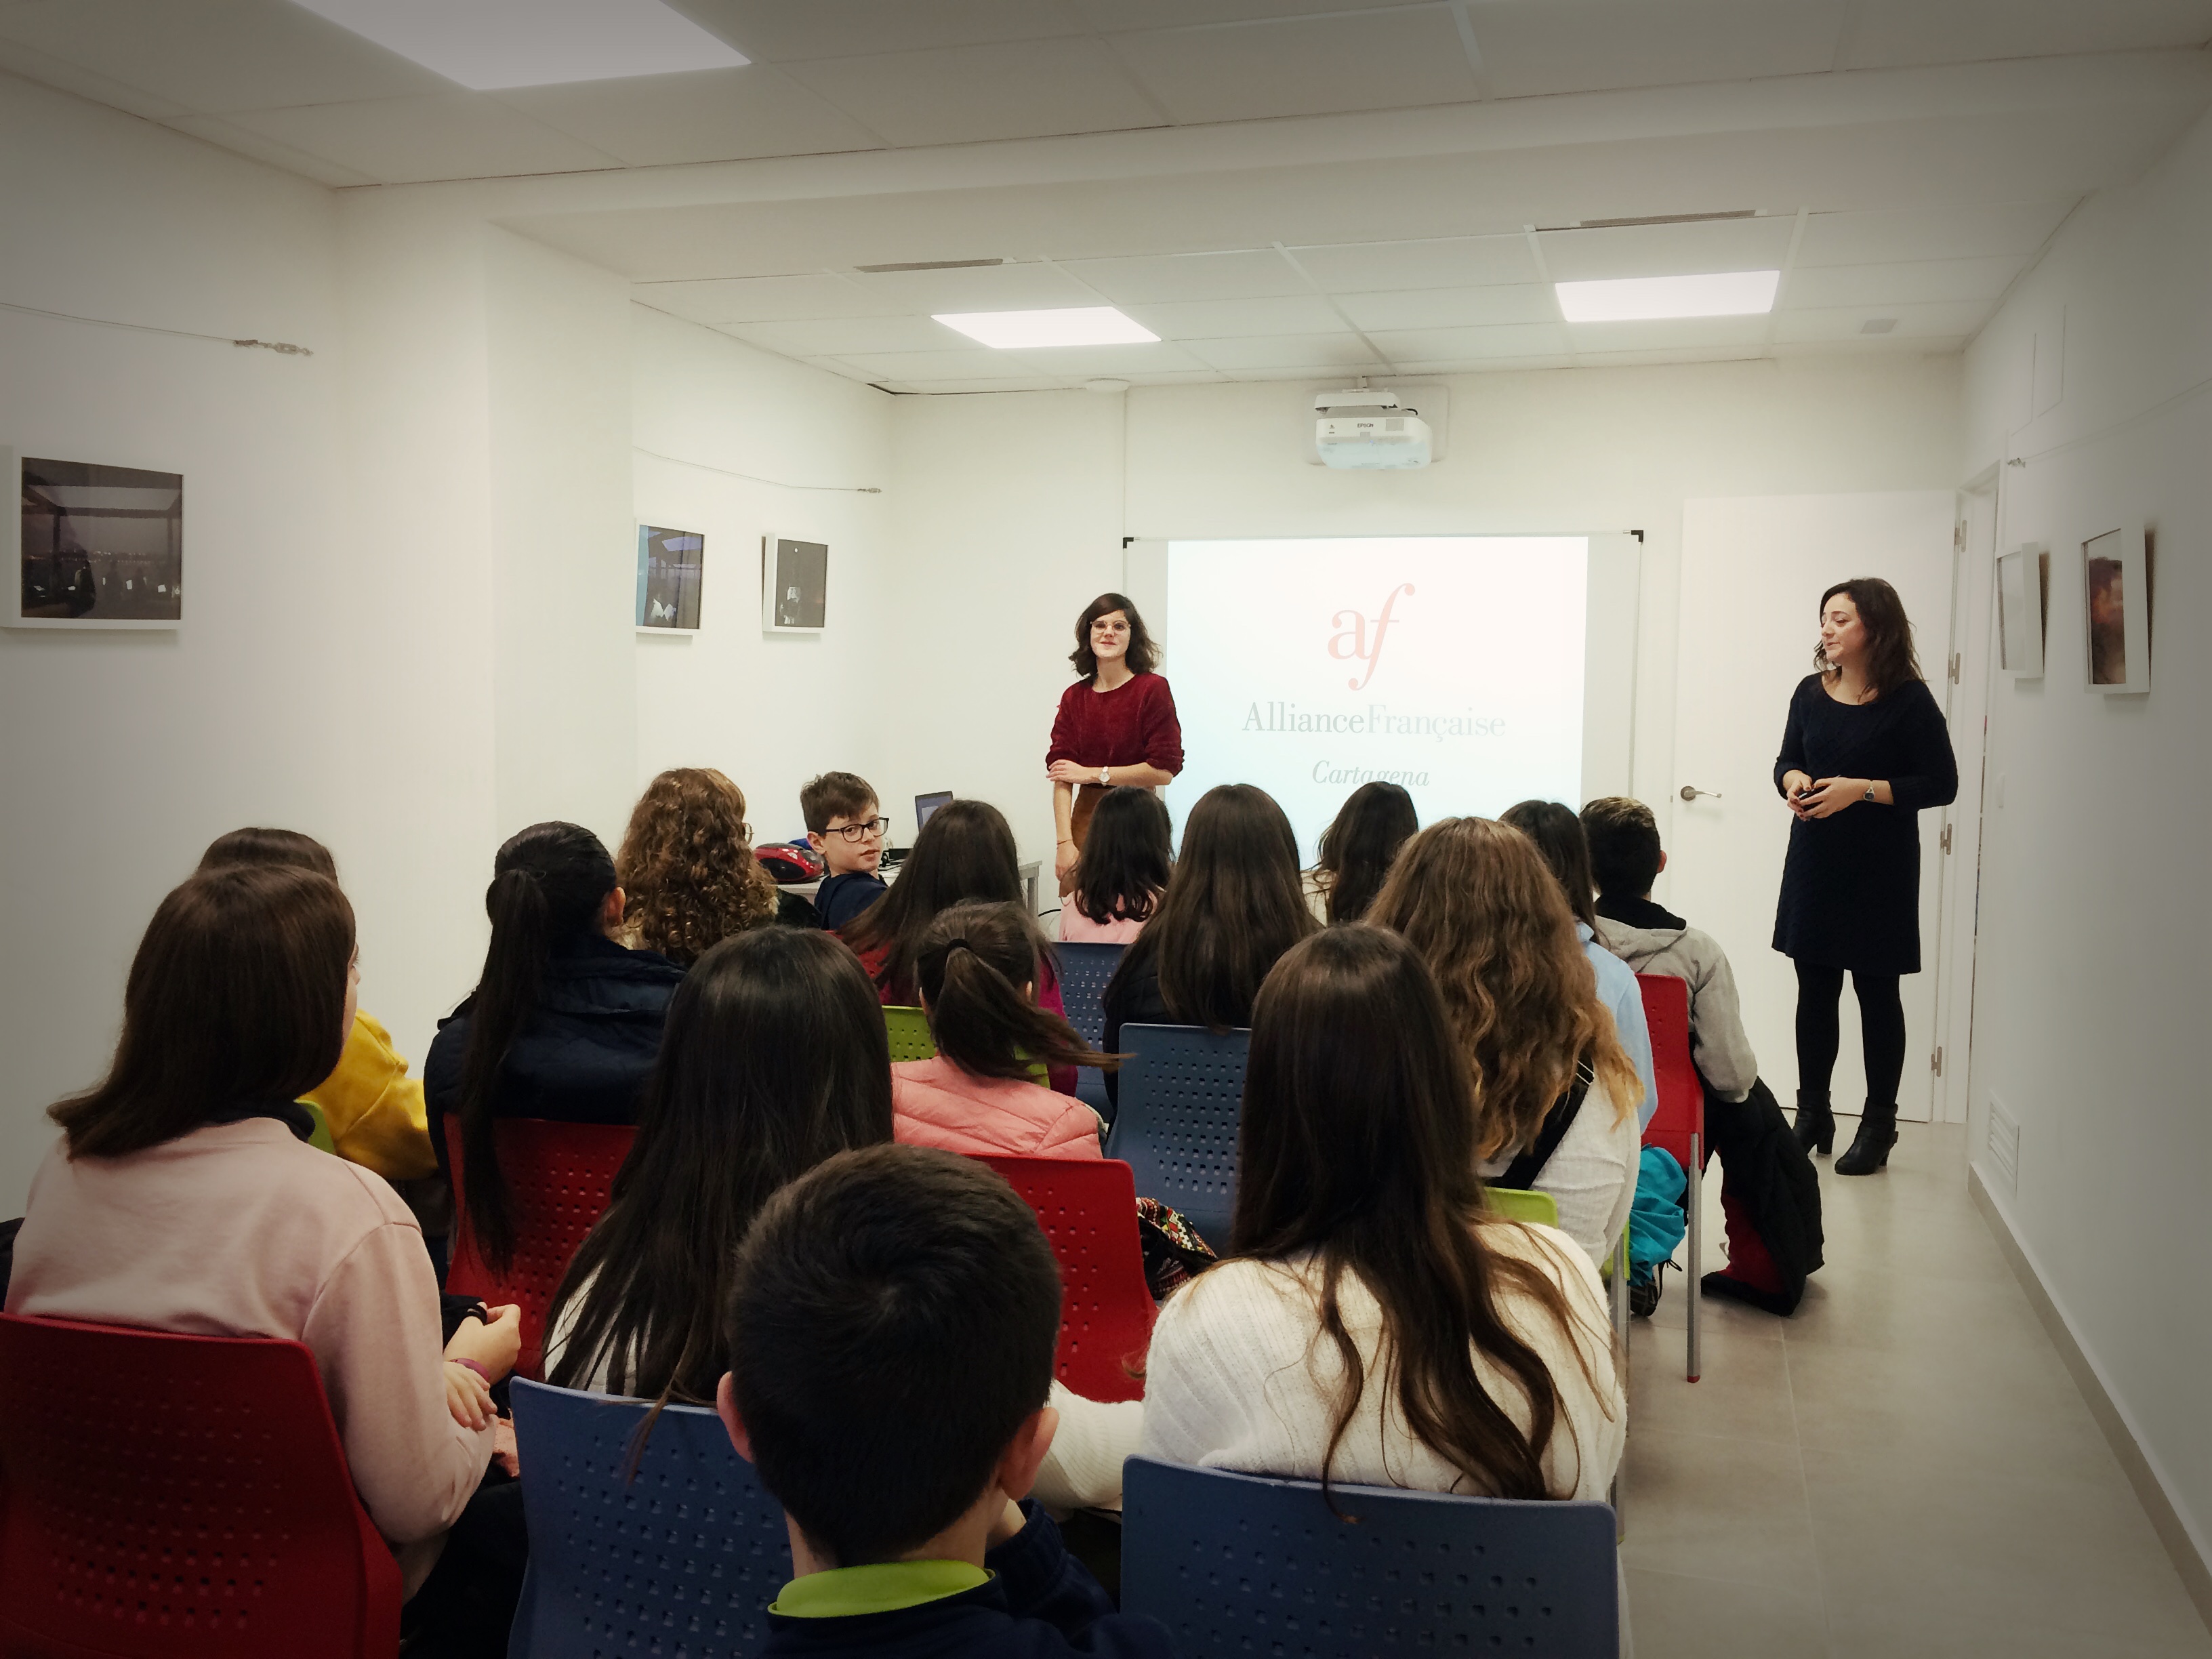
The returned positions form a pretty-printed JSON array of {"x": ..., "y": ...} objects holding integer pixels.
[
  {"x": 972, "y": 969},
  {"x": 548, "y": 885}
]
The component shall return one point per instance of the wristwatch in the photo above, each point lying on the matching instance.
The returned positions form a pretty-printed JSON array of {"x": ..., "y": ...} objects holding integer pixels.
[
  {"x": 1870, "y": 793},
  {"x": 1105, "y": 777}
]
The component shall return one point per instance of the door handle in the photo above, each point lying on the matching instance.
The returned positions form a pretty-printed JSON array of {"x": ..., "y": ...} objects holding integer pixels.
[{"x": 1691, "y": 794}]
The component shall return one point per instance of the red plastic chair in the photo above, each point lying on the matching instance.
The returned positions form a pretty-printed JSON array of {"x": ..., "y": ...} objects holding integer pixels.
[
  {"x": 1678, "y": 1127},
  {"x": 166, "y": 1496},
  {"x": 1088, "y": 1209},
  {"x": 558, "y": 1175}
]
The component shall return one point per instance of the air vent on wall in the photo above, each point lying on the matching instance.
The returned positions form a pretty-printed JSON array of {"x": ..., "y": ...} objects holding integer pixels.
[
  {"x": 929, "y": 265},
  {"x": 1654, "y": 219}
]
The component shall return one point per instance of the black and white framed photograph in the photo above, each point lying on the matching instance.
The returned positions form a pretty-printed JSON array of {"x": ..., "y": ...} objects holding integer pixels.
[
  {"x": 671, "y": 564},
  {"x": 98, "y": 546},
  {"x": 2116, "y": 583},
  {"x": 795, "y": 584},
  {"x": 2023, "y": 597}
]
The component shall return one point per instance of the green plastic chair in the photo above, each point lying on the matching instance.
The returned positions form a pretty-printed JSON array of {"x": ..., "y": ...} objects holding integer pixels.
[
  {"x": 909, "y": 1030},
  {"x": 1518, "y": 1204},
  {"x": 321, "y": 1138}
]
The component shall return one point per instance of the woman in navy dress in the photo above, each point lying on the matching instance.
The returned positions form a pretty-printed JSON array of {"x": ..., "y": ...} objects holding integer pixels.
[{"x": 1865, "y": 749}]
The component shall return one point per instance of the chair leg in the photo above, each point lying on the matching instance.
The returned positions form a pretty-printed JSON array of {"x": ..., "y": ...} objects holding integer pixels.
[{"x": 1697, "y": 1240}]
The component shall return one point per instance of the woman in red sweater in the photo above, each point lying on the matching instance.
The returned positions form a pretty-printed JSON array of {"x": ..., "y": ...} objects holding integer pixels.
[{"x": 1116, "y": 725}]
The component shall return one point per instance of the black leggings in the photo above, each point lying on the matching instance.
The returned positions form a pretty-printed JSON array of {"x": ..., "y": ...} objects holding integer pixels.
[{"x": 1881, "y": 1029}]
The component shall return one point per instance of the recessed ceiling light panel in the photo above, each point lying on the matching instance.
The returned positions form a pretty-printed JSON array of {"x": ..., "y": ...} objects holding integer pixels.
[
  {"x": 491, "y": 44},
  {"x": 1074, "y": 326},
  {"x": 1639, "y": 299}
]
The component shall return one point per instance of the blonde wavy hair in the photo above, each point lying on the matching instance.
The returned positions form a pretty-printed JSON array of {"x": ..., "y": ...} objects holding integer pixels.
[
  {"x": 1479, "y": 902},
  {"x": 687, "y": 866}
]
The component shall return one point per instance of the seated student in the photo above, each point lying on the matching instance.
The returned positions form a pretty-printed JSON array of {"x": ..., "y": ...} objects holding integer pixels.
[
  {"x": 184, "y": 1197},
  {"x": 843, "y": 825},
  {"x": 1558, "y": 834},
  {"x": 1552, "y": 1083},
  {"x": 902, "y": 1476},
  {"x": 564, "y": 1025},
  {"x": 373, "y": 1108},
  {"x": 1231, "y": 907},
  {"x": 1120, "y": 871},
  {"x": 1363, "y": 1239},
  {"x": 1770, "y": 1193},
  {"x": 1375, "y": 821},
  {"x": 977, "y": 978},
  {"x": 687, "y": 870}
]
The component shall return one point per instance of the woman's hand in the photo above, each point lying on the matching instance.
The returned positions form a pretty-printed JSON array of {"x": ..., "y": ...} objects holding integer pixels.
[
  {"x": 1794, "y": 785},
  {"x": 468, "y": 1396},
  {"x": 495, "y": 1346},
  {"x": 1828, "y": 797},
  {"x": 1071, "y": 774},
  {"x": 1064, "y": 858}
]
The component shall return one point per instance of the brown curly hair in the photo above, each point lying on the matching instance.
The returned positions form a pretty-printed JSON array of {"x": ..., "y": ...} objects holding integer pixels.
[
  {"x": 687, "y": 866},
  {"x": 1477, "y": 900}
]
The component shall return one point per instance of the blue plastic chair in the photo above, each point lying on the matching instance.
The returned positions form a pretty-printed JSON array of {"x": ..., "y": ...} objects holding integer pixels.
[
  {"x": 1182, "y": 1092},
  {"x": 1084, "y": 971},
  {"x": 1236, "y": 1563},
  {"x": 682, "y": 1557}
]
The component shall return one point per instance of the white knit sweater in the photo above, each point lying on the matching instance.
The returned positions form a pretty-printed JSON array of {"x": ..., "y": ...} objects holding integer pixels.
[{"x": 1240, "y": 1377}]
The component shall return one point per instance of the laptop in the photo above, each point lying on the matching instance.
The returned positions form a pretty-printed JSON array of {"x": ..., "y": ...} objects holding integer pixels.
[{"x": 924, "y": 807}]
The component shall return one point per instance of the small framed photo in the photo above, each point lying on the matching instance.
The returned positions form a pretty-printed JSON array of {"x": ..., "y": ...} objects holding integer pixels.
[
  {"x": 670, "y": 563},
  {"x": 96, "y": 546},
  {"x": 2023, "y": 597},
  {"x": 795, "y": 584},
  {"x": 2116, "y": 581}
]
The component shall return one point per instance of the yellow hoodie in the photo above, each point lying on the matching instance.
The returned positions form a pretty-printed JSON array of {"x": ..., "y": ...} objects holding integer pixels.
[{"x": 374, "y": 1109}]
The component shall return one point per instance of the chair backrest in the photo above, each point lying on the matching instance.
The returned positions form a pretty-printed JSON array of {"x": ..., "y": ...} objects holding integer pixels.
[
  {"x": 1236, "y": 1563},
  {"x": 1682, "y": 1110},
  {"x": 1182, "y": 1092},
  {"x": 682, "y": 1557},
  {"x": 179, "y": 1496},
  {"x": 1084, "y": 971},
  {"x": 320, "y": 1140},
  {"x": 558, "y": 1175},
  {"x": 908, "y": 1031},
  {"x": 1521, "y": 1204},
  {"x": 1088, "y": 1209}
]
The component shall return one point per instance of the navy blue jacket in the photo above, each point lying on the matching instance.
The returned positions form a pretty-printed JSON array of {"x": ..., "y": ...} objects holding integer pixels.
[
  {"x": 839, "y": 898},
  {"x": 1044, "y": 1604}
]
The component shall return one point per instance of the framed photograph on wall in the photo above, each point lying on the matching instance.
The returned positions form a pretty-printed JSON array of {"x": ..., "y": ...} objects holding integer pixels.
[
  {"x": 795, "y": 584},
  {"x": 96, "y": 546},
  {"x": 2116, "y": 584},
  {"x": 670, "y": 565},
  {"x": 2023, "y": 605}
]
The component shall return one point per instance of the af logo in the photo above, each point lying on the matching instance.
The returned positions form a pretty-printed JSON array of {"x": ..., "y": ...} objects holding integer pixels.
[{"x": 1355, "y": 643}]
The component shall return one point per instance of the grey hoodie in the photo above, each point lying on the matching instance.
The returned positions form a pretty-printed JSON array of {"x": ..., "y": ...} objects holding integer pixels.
[{"x": 1718, "y": 1044}]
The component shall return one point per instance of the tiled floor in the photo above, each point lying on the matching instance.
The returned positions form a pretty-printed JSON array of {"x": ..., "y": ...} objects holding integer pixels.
[{"x": 1903, "y": 1469}]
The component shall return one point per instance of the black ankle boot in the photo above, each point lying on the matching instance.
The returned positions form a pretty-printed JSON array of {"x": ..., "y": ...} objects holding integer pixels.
[
  {"x": 1870, "y": 1149},
  {"x": 1816, "y": 1124}
]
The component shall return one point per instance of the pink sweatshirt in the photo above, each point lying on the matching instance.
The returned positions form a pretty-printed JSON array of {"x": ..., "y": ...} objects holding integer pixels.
[
  {"x": 240, "y": 1229},
  {"x": 1076, "y": 926},
  {"x": 935, "y": 1104}
]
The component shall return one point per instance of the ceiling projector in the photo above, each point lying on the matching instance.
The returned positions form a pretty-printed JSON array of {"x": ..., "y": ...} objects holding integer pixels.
[{"x": 1368, "y": 431}]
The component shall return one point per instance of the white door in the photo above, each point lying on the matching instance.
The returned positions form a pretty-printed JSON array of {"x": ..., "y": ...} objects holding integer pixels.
[{"x": 1752, "y": 571}]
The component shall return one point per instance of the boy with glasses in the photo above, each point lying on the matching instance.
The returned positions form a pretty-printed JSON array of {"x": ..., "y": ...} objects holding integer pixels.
[{"x": 844, "y": 826}]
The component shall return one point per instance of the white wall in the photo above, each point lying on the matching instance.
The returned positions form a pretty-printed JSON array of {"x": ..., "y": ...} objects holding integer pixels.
[{"x": 2093, "y": 906}]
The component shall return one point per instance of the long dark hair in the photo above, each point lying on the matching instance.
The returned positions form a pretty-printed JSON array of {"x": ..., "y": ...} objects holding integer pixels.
[
  {"x": 966, "y": 851},
  {"x": 1233, "y": 906},
  {"x": 976, "y": 966},
  {"x": 269, "y": 848},
  {"x": 1890, "y": 659},
  {"x": 1375, "y": 821},
  {"x": 1556, "y": 830},
  {"x": 1356, "y": 1151},
  {"x": 237, "y": 994},
  {"x": 1127, "y": 855},
  {"x": 774, "y": 1058},
  {"x": 548, "y": 887},
  {"x": 1142, "y": 655}
]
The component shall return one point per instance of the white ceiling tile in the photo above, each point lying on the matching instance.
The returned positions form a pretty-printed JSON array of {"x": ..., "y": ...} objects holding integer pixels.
[
  {"x": 217, "y": 56},
  {"x": 456, "y": 135},
  {"x": 1090, "y": 362},
  {"x": 1216, "y": 319},
  {"x": 214, "y": 129},
  {"x": 706, "y": 115},
  {"x": 1575, "y": 256},
  {"x": 1330, "y": 374},
  {"x": 1668, "y": 354},
  {"x": 1667, "y": 334},
  {"x": 963, "y": 94},
  {"x": 1119, "y": 16},
  {"x": 1446, "y": 261},
  {"x": 1303, "y": 66},
  {"x": 1058, "y": 362},
  {"x": 1944, "y": 320},
  {"x": 977, "y": 363},
  {"x": 1889, "y": 33},
  {"x": 16, "y": 59},
  {"x": 766, "y": 299},
  {"x": 1911, "y": 345},
  {"x": 1180, "y": 377},
  {"x": 1584, "y": 46},
  {"x": 1453, "y": 308},
  {"x": 779, "y": 31},
  {"x": 1030, "y": 285},
  {"x": 953, "y": 386},
  {"x": 1246, "y": 274},
  {"x": 1962, "y": 230},
  {"x": 1487, "y": 364},
  {"x": 848, "y": 337},
  {"x": 1287, "y": 351},
  {"x": 1510, "y": 340},
  {"x": 1921, "y": 282}
]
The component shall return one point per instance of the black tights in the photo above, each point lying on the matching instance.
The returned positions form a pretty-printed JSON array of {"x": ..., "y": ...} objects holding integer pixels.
[{"x": 1882, "y": 1029}]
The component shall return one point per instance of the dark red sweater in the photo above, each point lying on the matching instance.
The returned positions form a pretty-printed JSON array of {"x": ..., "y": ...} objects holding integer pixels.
[{"x": 1134, "y": 723}]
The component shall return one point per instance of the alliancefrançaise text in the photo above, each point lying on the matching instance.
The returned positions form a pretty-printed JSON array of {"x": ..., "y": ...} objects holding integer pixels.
[{"x": 1375, "y": 720}]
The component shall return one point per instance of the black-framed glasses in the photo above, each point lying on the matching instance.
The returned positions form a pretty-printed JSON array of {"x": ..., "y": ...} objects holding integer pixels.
[{"x": 861, "y": 831}]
